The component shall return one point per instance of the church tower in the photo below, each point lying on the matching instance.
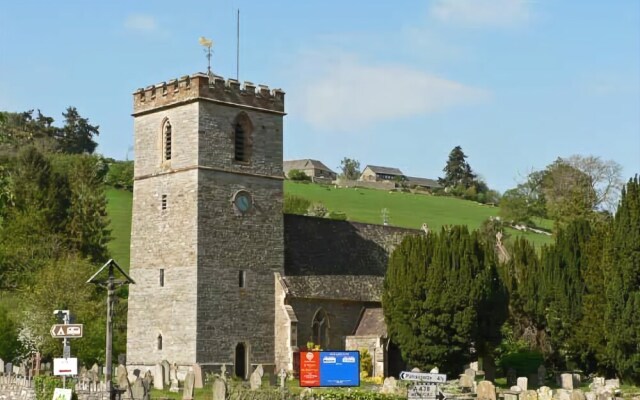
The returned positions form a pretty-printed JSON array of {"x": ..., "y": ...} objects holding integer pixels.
[{"x": 207, "y": 224}]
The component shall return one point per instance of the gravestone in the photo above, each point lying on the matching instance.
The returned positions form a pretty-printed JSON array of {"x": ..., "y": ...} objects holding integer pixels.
[
  {"x": 577, "y": 394},
  {"x": 390, "y": 385},
  {"x": 166, "y": 369},
  {"x": 542, "y": 375},
  {"x": 522, "y": 383},
  {"x": 147, "y": 382},
  {"x": 173, "y": 376},
  {"x": 516, "y": 389},
  {"x": 16, "y": 370},
  {"x": 465, "y": 382},
  {"x": 1, "y": 366},
  {"x": 489, "y": 368},
  {"x": 137, "y": 389},
  {"x": 590, "y": 396},
  {"x": 563, "y": 394},
  {"x": 256, "y": 378},
  {"x": 545, "y": 393},
  {"x": 416, "y": 369},
  {"x": 576, "y": 380},
  {"x": 219, "y": 389},
  {"x": 8, "y": 368},
  {"x": 566, "y": 381},
  {"x": 197, "y": 372},
  {"x": 158, "y": 377},
  {"x": 511, "y": 377},
  {"x": 612, "y": 383},
  {"x": 189, "y": 381},
  {"x": 486, "y": 391},
  {"x": 283, "y": 377},
  {"x": 223, "y": 372},
  {"x": 510, "y": 396},
  {"x": 598, "y": 381},
  {"x": 123, "y": 381}
]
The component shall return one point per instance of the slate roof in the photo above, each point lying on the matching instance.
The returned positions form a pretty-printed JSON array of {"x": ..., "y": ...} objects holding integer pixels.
[
  {"x": 305, "y": 164},
  {"x": 345, "y": 287},
  {"x": 413, "y": 180},
  {"x": 372, "y": 323},
  {"x": 384, "y": 170}
]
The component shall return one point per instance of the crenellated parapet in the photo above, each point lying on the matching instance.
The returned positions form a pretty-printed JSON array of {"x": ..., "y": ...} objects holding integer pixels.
[{"x": 200, "y": 87}]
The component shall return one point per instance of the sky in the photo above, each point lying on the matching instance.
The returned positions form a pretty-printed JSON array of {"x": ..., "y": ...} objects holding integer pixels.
[{"x": 516, "y": 83}]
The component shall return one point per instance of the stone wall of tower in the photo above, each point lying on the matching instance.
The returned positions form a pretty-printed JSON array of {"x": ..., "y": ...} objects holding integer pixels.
[
  {"x": 164, "y": 239},
  {"x": 230, "y": 242}
]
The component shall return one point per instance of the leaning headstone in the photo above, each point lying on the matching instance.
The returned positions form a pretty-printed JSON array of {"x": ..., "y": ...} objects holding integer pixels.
[
  {"x": 137, "y": 389},
  {"x": 166, "y": 369},
  {"x": 189, "y": 381},
  {"x": 542, "y": 375},
  {"x": 545, "y": 393},
  {"x": 486, "y": 391},
  {"x": 256, "y": 378},
  {"x": 219, "y": 389},
  {"x": 511, "y": 377},
  {"x": 389, "y": 385},
  {"x": 158, "y": 377},
  {"x": 566, "y": 381},
  {"x": 522, "y": 383},
  {"x": 197, "y": 371}
]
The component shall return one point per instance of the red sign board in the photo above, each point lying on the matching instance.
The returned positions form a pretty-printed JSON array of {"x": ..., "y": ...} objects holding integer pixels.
[{"x": 309, "y": 368}]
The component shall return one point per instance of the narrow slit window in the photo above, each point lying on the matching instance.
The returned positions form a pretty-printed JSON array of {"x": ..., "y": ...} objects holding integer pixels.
[
  {"x": 242, "y": 279},
  {"x": 240, "y": 143},
  {"x": 242, "y": 138},
  {"x": 164, "y": 202},
  {"x": 167, "y": 133},
  {"x": 161, "y": 277},
  {"x": 159, "y": 342}
]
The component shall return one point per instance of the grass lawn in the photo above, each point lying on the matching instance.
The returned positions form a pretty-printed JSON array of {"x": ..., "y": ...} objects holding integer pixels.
[
  {"x": 404, "y": 209},
  {"x": 119, "y": 210}
]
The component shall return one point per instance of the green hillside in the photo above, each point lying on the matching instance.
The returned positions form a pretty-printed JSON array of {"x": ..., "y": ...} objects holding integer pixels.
[
  {"x": 362, "y": 205},
  {"x": 119, "y": 209}
]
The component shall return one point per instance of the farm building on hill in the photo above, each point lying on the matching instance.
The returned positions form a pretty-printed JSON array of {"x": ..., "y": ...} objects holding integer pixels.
[
  {"x": 312, "y": 168},
  {"x": 374, "y": 173}
]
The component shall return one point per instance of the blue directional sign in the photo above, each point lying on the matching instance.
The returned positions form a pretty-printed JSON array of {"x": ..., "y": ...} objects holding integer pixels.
[{"x": 339, "y": 368}]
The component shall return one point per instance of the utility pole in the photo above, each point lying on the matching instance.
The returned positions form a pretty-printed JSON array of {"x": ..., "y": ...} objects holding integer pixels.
[{"x": 111, "y": 283}]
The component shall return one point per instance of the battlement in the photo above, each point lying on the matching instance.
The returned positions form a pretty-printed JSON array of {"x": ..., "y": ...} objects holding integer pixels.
[{"x": 198, "y": 86}]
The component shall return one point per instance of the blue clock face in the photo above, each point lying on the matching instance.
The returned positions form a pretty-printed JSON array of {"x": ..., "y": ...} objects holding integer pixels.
[{"x": 242, "y": 201}]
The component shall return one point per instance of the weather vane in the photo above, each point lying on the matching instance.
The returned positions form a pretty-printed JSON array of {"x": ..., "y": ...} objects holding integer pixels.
[{"x": 208, "y": 44}]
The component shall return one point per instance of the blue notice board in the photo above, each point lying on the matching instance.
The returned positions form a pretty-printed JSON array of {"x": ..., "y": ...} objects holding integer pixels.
[{"x": 339, "y": 368}]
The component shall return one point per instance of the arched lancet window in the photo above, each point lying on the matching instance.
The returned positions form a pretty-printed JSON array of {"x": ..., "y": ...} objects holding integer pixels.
[
  {"x": 166, "y": 140},
  {"x": 320, "y": 328},
  {"x": 242, "y": 137}
]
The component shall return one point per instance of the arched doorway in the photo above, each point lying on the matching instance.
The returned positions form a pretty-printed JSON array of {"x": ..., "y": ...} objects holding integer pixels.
[{"x": 240, "y": 361}]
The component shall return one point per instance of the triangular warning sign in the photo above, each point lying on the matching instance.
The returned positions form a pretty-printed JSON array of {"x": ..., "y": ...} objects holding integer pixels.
[{"x": 60, "y": 331}]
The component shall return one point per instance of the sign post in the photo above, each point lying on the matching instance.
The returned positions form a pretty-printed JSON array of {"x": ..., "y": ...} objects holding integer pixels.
[
  {"x": 424, "y": 386},
  {"x": 65, "y": 331}
]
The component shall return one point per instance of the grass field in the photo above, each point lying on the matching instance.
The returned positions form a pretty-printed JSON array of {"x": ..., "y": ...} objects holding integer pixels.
[
  {"x": 362, "y": 205},
  {"x": 119, "y": 209}
]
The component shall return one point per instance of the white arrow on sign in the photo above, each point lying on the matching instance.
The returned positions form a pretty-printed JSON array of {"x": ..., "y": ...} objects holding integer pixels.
[{"x": 423, "y": 377}]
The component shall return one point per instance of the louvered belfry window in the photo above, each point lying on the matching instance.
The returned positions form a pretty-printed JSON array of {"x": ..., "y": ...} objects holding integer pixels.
[{"x": 166, "y": 133}]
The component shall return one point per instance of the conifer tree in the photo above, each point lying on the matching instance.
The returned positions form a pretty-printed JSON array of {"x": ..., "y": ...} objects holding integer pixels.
[{"x": 623, "y": 288}]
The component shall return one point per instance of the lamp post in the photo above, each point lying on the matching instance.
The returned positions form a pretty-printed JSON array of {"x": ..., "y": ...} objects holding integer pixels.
[{"x": 110, "y": 283}]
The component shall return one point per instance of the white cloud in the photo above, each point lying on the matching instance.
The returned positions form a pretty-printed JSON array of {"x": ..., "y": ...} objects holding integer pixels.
[
  {"x": 477, "y": 13},
  {"x": 346, "y": 94},
  {"x": 141, "y": 23}
]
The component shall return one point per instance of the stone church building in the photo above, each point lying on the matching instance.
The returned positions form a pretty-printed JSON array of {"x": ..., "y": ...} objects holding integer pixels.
[{"x": 222, "y": 275}]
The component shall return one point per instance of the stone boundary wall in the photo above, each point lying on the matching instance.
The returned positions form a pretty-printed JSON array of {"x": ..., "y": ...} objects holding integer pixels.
[{"x": 366, "y": 184}]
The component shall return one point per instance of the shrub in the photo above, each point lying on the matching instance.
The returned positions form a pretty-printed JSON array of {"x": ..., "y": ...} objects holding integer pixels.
[
  {"x": 337, "y": 215},
  {"x": 297, "y": 175},
  {"x": 45, "y": 385},
  {"x": 318, "y": 210},
  {"x": 295, "y": 204},
  {"x": 366, "y": 364}
]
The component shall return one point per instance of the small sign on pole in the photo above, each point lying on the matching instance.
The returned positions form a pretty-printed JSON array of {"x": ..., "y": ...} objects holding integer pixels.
[
  {"x": 61, "y": 331},
  {"x": 423, "y": 377},
  {"x": 422, "y": 391},
  {"x": 65, "y": 366}
]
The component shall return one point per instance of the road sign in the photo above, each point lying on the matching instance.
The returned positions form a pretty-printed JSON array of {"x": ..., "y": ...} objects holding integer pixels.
[
  {"x": 65, "y": 366},
  {"x": 423, "y": 377},
  {"x": 422, "y": 391},
  {"x": 60, "y": 331}
]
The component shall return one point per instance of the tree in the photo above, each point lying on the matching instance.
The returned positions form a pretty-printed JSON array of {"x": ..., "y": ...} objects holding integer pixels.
[
  {"x": 604, "y": 175},
  {"x": 623, "y": 287},
  {"x": 76, "y": 136},
  {"x": 514, "y": 207},
  {"x": 350, "y": 169},
  {"x": 568, "y": 192},
  {"x": 8, "y": 335},
  {"x": 297, "y": 175},
  {"x": 457, "y": 171}
]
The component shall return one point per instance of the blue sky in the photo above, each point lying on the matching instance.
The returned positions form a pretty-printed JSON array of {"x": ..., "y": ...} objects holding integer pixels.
[{"x": 516, "y": 83}]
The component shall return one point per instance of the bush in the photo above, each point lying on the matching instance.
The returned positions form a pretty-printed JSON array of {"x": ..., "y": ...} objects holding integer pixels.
[
  {"x": 120, "y": 175},
  {"x": 297, "y": 175},
  {"x": 366, "y": 364},
  {"x": 295, "y": 204},
  {"x": 524, "y": 362},
  {"x": 337, "y": 215},
  {"x": 318, "y": 210},
  {"x": 45, "y": 385}
]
